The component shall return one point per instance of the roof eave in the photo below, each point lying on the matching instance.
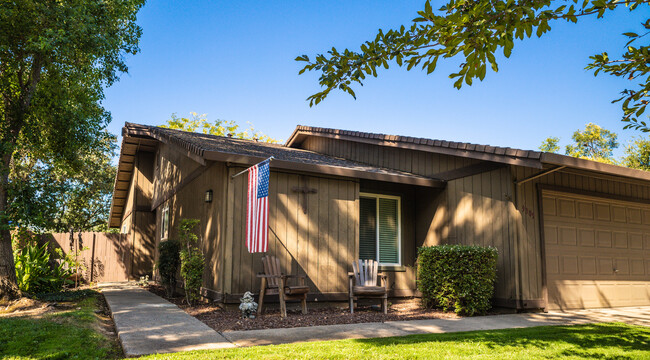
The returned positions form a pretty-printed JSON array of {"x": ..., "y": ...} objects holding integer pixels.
[
  {"x": 300, "y": 134},
  {"x": 326, "y": 169},
  {"x": 591, "y": 165}
]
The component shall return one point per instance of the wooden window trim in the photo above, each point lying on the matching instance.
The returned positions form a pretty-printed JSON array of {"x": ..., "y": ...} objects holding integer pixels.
[{"x": 399, "y": 225}]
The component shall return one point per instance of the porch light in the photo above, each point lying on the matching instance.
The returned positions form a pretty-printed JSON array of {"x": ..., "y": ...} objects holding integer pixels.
[{"x": 208, "y": 196}]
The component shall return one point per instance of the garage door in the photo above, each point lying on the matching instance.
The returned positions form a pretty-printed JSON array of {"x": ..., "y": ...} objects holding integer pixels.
[{"x": 597, "y": 251}]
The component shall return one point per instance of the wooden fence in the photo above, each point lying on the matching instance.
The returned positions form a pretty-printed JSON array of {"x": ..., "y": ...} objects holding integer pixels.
[{"x": 106, "y": 257}]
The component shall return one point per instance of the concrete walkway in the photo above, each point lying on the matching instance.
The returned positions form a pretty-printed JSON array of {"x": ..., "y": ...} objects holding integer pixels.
[
  {"x": 636, "y": 316},
  {"x": 148, "y": 324}
]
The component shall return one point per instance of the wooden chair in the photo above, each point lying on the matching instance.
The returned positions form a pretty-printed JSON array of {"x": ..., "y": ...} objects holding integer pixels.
[
  {"x": 273, "y": 280},
  {"x": 363, "y": 283}
]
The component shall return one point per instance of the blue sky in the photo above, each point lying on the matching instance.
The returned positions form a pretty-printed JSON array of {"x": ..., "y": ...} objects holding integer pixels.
[{"x": 235, "y": 61}]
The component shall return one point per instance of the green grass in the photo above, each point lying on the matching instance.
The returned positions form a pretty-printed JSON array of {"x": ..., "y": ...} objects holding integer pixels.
[
  {"x": 73, "y": 335},
  {"x": 65, "y": 335},
  {"x": 599, "y": 341}
]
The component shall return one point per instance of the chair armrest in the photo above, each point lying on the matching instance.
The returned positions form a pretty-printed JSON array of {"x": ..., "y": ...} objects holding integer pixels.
[
  {"x": 269, "y": 276},
  {"x": 294, "y": 276},
  {"x": 384, "y": 280},
  {"x": 350, "y": 274}
]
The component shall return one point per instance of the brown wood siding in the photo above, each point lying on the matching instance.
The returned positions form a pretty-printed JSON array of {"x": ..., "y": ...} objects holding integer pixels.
[
  {"x": 187, "y": 201},
  {"x": 320, "y": 243},
  {"x": 472, "y": 210},
  {"x": 527, "y": 203},
  {"x": 138, "y": 219}
]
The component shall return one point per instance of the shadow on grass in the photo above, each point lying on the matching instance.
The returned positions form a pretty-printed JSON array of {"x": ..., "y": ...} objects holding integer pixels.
[
  {"x": 68, "y": 334},
  {"x": 580, "y": 341}
]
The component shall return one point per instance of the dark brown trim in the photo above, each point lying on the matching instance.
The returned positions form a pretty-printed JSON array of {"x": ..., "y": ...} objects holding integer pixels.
[
  {"x": 542, "y": 246},
  {"x": 545, "y": 187},
  {"x": 470, "y": 170},
  {"x": 327, "y": 169},
  {"x": 584, "y": 164},
  {"x": 125, "y": 216},
  {"x": 504, "y": 158},
  {"x": 191, "y": 177},
  {"x": 539, "y": 174}
]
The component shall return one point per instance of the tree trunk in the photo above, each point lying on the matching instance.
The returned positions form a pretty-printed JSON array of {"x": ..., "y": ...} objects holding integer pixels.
[{"x": 8, "y": 286}]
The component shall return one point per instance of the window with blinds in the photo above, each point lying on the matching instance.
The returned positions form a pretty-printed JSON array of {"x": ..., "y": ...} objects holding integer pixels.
[{"x": 379, "y": 228}]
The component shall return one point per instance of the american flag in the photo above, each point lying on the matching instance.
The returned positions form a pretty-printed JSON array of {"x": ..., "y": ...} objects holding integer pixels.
[{"x": 257, "y": 225}]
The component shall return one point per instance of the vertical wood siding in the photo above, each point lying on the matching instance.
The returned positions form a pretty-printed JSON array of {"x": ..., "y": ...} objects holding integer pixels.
[
  {"x": 472, "y": 210},
  {"x": 139, "y": 221},
  {"x": 189, "y": 203},
  {"x": 320, "y": 243}
]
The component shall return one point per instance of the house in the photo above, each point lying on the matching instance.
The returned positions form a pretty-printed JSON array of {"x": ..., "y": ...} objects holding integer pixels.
[{"x": 571, "y": 233}]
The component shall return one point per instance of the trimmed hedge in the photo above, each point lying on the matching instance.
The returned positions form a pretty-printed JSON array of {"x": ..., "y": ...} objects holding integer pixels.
[{"x": 457, "y": 277}]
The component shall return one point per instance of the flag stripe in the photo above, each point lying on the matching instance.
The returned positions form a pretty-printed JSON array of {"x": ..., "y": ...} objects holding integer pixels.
[{"x": 257, "y": 208}]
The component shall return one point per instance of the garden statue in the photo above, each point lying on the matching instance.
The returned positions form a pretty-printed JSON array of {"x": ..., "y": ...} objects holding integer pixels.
[{"x": 248, "y": 306}]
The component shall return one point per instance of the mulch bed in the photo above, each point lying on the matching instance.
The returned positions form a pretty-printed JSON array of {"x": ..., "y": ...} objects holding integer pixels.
[{"x": 230, "y": 320}]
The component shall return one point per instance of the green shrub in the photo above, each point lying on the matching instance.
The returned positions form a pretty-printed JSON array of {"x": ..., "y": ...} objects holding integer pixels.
[
  {"x": 192, "y": 260},
  {"x": 457, "y": 277},
  {"x": 168, "y": 262},
  {"x": 34, "y": 272}
]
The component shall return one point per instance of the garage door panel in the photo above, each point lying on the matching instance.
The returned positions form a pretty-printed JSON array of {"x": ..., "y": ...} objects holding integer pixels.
[
  {"x": 620, "y": 240},
  {"x": 597, "y": 251},
  {"x": 602, "y": 212},
  {"x": 634, "y": 216},
  {"x": 548, "y": 205},
  {"x": 588, "y": 265},
  {"x": 585, "y": 210},
  {"x": 605, "y": 265},
  {"x": 587, "y": 237},
  {"x": 569, "y": 265},
  {"x": 637, "y": 267},
  {"x": 567, "y": 236},
  {"x": 604, "y": 239},
  {"x": 622, "y": 266},
  {"x": 566, "y": 208},
  {"x": 636, "y": 241},
  {"x": 618, "y": 214}
]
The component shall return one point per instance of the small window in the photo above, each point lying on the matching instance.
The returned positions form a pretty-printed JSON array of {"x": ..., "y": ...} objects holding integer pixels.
[
  {"x": 379, "y": 229},
  {"x": 164, "y": 227}
]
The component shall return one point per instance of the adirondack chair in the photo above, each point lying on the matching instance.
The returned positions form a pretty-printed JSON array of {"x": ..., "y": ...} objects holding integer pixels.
[
  {"x": 363, "y": 283},
  {"x": 273, "y": 280}
]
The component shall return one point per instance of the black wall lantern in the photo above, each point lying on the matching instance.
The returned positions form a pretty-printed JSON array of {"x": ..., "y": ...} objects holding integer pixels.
[{"x": 208, "y": 196}]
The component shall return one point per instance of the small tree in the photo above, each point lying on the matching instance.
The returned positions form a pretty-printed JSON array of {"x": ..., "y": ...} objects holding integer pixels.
[
  {"x": 168, "y": 263},
  {"x": 192, "y": 260}
]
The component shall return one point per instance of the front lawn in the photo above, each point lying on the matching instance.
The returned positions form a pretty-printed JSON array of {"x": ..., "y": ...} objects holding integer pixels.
[
  {"x": 599, "y": 341},
  {"x": 72, "y": 330}
]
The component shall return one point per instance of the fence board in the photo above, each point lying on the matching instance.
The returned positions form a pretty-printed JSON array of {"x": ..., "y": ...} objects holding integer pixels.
[{"x": 112, "y": 254}]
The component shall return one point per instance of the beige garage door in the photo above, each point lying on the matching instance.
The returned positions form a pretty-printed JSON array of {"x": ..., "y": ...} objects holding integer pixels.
[{"x": 597, "y": 251}]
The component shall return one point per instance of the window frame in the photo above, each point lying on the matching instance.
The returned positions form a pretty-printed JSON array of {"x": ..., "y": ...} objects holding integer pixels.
[
  {"x": 164, "y": 227},
  {"x": 399, "y": 225}
]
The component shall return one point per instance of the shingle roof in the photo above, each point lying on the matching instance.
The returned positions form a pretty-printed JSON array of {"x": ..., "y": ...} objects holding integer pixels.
[
  {"x": 505, "y": 155},
  {"x": 213, "y": 147},
  {"x": 452, "y": 147}
]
